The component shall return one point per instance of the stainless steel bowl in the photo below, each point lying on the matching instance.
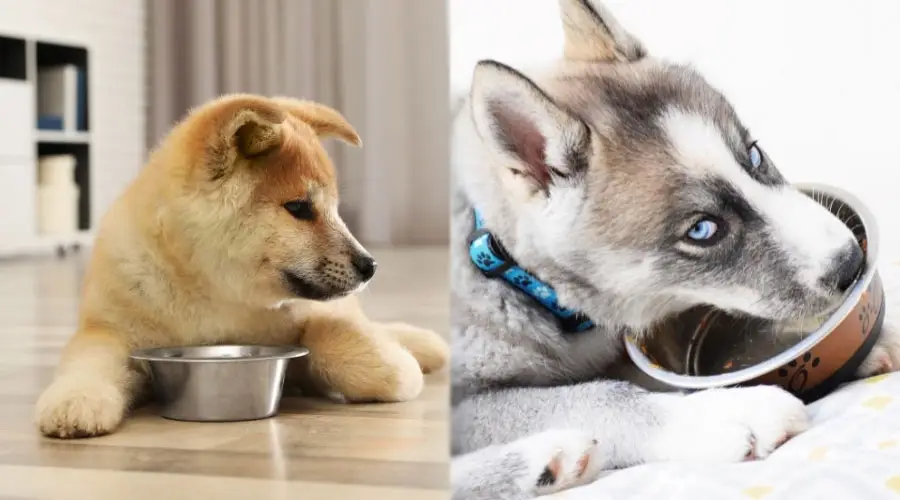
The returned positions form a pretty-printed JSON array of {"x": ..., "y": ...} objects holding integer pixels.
[
  {"x": 705, "y": 347},
  {"x": 219, "y": 383}
]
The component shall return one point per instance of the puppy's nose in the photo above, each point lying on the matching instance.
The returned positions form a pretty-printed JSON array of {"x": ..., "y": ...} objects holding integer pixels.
[
  {"x": 845, "y": 268},
  {"x": 365, "y": 265}
]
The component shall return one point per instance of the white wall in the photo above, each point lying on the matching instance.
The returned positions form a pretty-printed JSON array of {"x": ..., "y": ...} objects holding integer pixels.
[
  {"x": 818, "y": 82},
  {"x": 113, "y": 32}
]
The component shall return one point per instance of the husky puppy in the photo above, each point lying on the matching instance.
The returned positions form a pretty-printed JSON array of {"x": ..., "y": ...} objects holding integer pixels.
[{"x": 626, "y": 188}]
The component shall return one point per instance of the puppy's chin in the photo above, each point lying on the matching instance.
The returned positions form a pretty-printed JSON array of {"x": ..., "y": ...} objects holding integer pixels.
[
  {"x": 302, "y": 288},
  {"x": 805, "y": 312}
]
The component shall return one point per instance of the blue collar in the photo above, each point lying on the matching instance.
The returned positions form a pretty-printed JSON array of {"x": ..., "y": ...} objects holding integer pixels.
[{"x": 491, "y": 258}]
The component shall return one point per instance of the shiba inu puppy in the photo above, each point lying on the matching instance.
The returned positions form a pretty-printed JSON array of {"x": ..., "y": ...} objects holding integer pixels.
[
  {"x": 231, "y": 234},
  {"x": 616, "y": 190}
]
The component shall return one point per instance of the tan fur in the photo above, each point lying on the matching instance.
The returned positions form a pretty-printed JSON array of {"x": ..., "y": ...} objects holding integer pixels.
[
  {"x": 324, "y": 120},
  {"x": 191, "y": 254}
]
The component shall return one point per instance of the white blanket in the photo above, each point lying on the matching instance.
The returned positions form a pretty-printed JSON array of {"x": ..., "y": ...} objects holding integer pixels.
[{"x": 851, "y": 452}]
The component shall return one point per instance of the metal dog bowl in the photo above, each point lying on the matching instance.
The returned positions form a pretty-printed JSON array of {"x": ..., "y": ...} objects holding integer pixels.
[
  {"x": 219, "y": 383},
  {"x": 706, "y": 347}
]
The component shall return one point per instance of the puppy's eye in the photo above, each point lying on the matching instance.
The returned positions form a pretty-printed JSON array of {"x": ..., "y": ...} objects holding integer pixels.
[
  {"x": 755, "y": 156},
  {"x": 706, "y": 232},
  {"x": 300, "y": 209}
]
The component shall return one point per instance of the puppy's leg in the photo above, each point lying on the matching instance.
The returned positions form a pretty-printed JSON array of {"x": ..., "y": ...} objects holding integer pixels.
[
  {"x": 93, "y": 387},
  {"x": 355, "y": 360},
  {"x": 725, "y": 425},
  {"x": 429, "y": 348},
  {"x": 633, "y": 426},
  {"x": 885, "y": 355},
  {"x": 537, "y": 465}
]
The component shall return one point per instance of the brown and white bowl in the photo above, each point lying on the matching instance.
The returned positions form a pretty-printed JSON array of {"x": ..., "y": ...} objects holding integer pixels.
[{"x": 705, "y": 347}]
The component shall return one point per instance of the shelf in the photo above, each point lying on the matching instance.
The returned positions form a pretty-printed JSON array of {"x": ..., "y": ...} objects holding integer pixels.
[
  {"x": 43, "y": 244},
  {"x": 62, "y": 137},
  {"x": 83, "y": 238},
  {"x": 30, "y": 69}
]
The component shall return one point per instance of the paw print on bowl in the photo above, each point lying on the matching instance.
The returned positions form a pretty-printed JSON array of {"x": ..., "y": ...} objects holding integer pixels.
[
  {"x": 867, "y": 315},
  {"x": 800, "y": 375}
]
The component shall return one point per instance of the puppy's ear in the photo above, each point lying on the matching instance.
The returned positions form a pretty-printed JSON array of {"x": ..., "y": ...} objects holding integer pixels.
[
  {"x": 593, "y": 34},
  {"x": 326, "y": 121},
  {"x": 255, "y": 133},
  {"x": 517, "y": 118}
]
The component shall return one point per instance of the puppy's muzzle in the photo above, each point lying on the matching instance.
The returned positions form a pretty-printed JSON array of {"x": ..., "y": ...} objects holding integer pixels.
[{"x": 845, "y": 268}]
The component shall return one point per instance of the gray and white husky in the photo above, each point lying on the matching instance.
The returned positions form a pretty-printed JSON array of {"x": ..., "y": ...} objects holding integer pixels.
[{"x": 628, "y": 186}]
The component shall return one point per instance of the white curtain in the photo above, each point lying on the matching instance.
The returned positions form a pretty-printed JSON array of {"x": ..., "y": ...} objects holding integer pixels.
[{"x": 383, "y": 63}]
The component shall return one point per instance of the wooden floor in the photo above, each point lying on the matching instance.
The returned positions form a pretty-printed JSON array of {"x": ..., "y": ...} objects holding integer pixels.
[{"x": 312, "y": 450}]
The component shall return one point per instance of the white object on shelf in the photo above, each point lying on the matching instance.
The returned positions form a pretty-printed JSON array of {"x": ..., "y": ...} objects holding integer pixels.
[
  {"x": 56, "y": 170},
  {"x": 58, "y": 209},
  {"x": 58, "y": 94}
]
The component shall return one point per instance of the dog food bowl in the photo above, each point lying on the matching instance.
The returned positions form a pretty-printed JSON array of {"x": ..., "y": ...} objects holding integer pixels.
[
  {"x": 219, "y": 383},
  {"x": 705, "y": 347}
]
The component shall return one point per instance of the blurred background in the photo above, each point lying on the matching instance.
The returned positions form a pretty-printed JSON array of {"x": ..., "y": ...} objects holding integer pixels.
[
  {"x": 817, "y": 84},
  {"x": 87, "y": 87}
]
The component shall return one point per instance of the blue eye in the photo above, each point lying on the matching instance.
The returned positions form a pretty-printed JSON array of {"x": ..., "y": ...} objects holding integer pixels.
[
  {"x": 703, "y": 230},
  {"x": 755, "y": 156}
]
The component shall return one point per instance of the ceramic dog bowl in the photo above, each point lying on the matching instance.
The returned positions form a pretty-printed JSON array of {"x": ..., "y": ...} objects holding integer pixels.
[
  {"x": 705, "y": 347},
  {"x": 219, "y": 383}
]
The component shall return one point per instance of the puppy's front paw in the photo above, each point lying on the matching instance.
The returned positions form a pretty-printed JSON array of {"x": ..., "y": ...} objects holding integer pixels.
[
  {"x": 74, "y": 409},
  {"x": 885, "y": 355},
  {"x": 389, "y": 375},
  {"x": 557, "y": 459},
  {"x": 730, "y": 425},
  {"x": 430, "y": 349}
]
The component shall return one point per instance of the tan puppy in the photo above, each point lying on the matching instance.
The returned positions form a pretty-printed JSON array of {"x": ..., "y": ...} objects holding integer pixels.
[{"x": 231, "y": 234}]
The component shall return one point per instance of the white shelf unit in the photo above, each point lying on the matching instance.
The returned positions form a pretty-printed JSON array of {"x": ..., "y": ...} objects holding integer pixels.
[
  {"x": 63, "y": 137},
  {"x": 22, "y": 143}
]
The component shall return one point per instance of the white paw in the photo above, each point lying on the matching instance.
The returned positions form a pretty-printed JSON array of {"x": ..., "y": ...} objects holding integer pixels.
[
  {"x": 885, "y": 355},
  {"x": 73, "y": 409},
  {"x": 558, "y": 459},
  {"x": 730, "y": 425},
  {"x": 336, "y": 397}
]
